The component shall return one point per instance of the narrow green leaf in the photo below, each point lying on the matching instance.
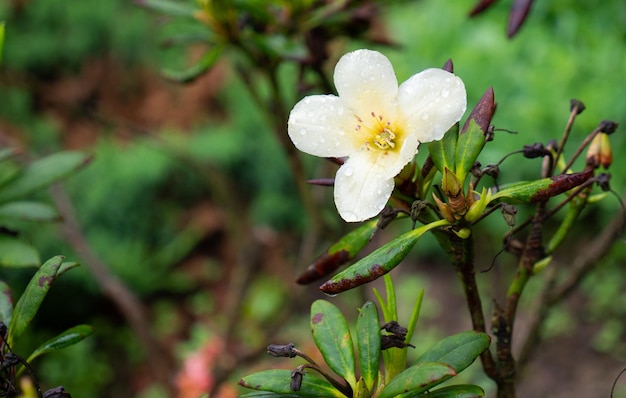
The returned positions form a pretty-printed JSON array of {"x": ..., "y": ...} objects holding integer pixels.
[
  {"x": 332, "y": 337},
  {"x": 468, "y": 148},
  {"x": 418, "y": 378},
  {"x": 368, "y": 343},
  {"x": 543, "y": 189},
  {"x": 6, "y": 303},
  {"x": 28, "y": 211},
  {"x": 457, "y": 391},
  {"x": 67, "y": 338},
  {"x": 31, "y": 299},
  {"x": 458, "y": 351},
  {"x": 443, "y": 152},
  {"x": 278, "y": 381},
  {"x": 42, "y": 173},
  {"x": 379, "y": 262},
  {"x": 16, "y": 253},
  {"x": 202, "y": 66},
  {"x": 339, "y": 253}
]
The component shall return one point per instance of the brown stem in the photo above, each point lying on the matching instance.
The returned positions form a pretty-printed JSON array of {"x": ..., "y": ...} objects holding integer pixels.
[
  {"x": 462, "y": 254},
  {"x": 159, "y": 361},
  {"x": 584, "y": 262}
]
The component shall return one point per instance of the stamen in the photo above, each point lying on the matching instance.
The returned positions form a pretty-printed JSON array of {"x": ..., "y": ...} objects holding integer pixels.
[{"x": 384, "y": 140}]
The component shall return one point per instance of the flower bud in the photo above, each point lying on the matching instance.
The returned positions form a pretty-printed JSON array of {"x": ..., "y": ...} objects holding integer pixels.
[
  {"x": 445, "y": 210},
  {"x": 599, "y": 152}
]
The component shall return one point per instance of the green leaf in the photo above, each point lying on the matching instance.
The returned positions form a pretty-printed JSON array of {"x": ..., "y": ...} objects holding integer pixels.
[
  {"x": 543, "y": 189},
  {"x": 457, "y": 351},
  {"x": 332, "y": 337},
  {"x": 468, "y": 148},
  {"x": 16, "y": 253},
  {"x": 67, "y": 338},
  {"x": 42, "y": 173},
  {"x": 202, "y": 66},
  {"x": 379, "y": 262},
  {"x": 28, "y": 211},
  {"x": 458, "y": 391},
  {"x": 171, "y": 8},
  {"x": 6, "y": 303},
  {"x": 278, "y": 381},
  {"x": 443, "y": 152},
  {"x": 339, "y": 253},
  {"x": 368, "y": 343},
  {"x": 418, "y": 378},
  {"x": 31, "y": 299}
]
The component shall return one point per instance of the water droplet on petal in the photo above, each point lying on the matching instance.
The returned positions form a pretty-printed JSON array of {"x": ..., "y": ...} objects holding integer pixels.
[
  {"x": 303, "y": 131},
  {"x": 348, "y": 171},
  {"x": 425, "y": 116},
  {"x": 445, "y": 93}
]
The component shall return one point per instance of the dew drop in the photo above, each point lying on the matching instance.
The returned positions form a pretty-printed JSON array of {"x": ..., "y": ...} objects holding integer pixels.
[
  {"x": 330, "y": 294},
  {"x": 425, "y": 116},
  {"x": 445, "y": 93},
  {"x": 348, "y": 171},
  {"x": 303, "y": 131}
]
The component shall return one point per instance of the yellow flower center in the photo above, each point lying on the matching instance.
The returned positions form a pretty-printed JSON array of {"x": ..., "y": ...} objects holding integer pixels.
[
  {"x": 384, "y": 140},
  {"x": 378, "y": 132}
]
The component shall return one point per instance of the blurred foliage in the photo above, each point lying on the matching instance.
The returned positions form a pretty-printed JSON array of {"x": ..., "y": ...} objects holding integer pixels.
[{"x": 132, "y": 199}]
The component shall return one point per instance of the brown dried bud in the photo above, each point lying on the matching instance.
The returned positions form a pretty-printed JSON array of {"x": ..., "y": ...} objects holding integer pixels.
[
  {"x": 608, "y": 126},
  {"x": 576, "y": 105},
  {"x": 508, "y": 213},
  {"x": 282, "y": 350},
  {"x": 296, "y": 379},
  {"x": 599, "y": 152}
]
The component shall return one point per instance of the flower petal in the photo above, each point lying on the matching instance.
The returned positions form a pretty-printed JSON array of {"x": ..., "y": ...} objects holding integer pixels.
[
  {"x": 322, "y": 126},
  {"x": 366, "y": 82},
  {"x": 407, "y": 153},
  {"x": 362, "y": 188},
  {"x": 432, "y": 101}
]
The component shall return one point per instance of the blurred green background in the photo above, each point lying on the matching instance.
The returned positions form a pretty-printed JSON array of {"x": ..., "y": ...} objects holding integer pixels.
[{"x": 174, "y": 165}]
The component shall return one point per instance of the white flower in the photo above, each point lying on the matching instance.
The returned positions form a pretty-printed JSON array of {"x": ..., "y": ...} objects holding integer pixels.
[{"x": 376, "y": 124}]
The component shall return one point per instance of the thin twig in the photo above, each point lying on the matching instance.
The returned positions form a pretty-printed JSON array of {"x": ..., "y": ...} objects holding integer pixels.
[{"x": 160, "y": 364}]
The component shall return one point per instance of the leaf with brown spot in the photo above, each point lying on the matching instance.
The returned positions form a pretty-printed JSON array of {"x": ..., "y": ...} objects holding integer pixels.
[
  {"x": 33, "y": 295},
  {"x": 378, "y": 263},
  {"x": 339, "y": 253},
  {"x": 332, "y": 337}
]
